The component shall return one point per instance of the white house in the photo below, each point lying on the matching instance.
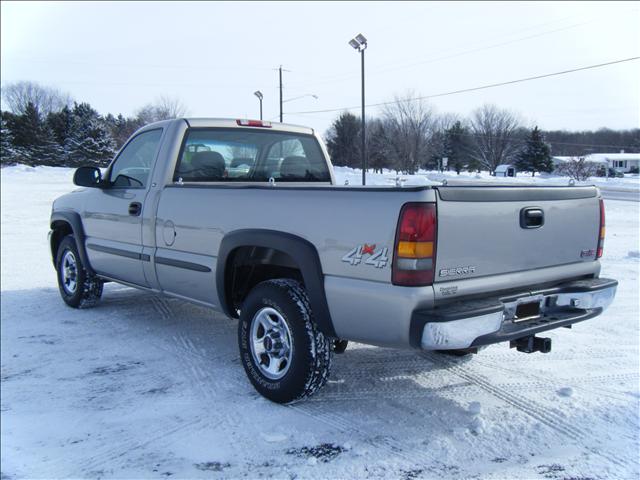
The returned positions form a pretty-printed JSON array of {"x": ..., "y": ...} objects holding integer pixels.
[{"x": 621, "y": 162}]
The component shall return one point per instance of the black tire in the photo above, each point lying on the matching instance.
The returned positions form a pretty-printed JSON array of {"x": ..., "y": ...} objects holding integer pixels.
[
  {"x": 311, "y": 353},
  {"x": 88, "y": 288}
]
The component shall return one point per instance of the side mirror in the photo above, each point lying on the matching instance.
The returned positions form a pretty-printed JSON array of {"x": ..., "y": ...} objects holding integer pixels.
[{"x": 88, "y": 177}]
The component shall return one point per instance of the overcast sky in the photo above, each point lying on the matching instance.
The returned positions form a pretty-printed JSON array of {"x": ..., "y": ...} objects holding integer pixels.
[{"x": 213, "y": 56}]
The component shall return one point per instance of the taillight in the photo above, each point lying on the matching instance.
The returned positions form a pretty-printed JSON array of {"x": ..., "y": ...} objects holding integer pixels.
[
  {"x": 601, "y": 230},
  {"x": 415, "y": 248},
  {"x": 253, "y": 123}
]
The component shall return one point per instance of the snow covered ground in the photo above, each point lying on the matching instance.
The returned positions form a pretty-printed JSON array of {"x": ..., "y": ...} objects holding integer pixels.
[
  {"x": 354, "y": 176},
  {"x": 150, "y": 387}
]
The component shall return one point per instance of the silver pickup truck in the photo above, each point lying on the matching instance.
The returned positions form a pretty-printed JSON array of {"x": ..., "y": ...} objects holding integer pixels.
[{"x": 245, "y": 217}]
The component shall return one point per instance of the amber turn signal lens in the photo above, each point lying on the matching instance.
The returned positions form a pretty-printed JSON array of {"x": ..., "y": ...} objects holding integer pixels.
[{"x": 415, "y": 249}]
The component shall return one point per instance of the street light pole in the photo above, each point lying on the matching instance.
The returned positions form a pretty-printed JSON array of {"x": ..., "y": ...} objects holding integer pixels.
[
  {"x": 364, "y": 153},
  {"x": 258, "y": 94},
  {"x": 280, "y": 73},
  {"x": 360, "y": 44}
]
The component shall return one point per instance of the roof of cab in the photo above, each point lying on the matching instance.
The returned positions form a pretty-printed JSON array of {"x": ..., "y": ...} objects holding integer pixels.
[{"x": 233, "y": 123}]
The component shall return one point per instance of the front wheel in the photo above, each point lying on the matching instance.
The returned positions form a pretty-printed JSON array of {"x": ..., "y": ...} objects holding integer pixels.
[
  {"x": 78, "y": 288},
  {"x": 283, "y": 353}
]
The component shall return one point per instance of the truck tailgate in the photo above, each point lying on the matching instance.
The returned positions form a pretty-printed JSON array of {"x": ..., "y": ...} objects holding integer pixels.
[{"x": 486, "y": 231}]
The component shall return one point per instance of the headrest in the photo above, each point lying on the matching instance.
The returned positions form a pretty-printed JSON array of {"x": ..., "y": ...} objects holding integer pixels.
[
  {"x": 294, "y": 166},
  {"x": 208, "y": 160}
]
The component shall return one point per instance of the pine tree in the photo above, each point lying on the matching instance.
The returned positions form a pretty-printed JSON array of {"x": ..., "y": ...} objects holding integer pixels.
[
  {"x": 7, "y": 150},
  {"x": 536, "y": 155},
  {"x": 121, "y": 128},
  {"x": 456, "y": 147},
  {"x": 61, "y": 124},
  {"x": 89, "y": 142},
  {"x": 33, "y": 139},
  {"x": 343, "y": 141}
]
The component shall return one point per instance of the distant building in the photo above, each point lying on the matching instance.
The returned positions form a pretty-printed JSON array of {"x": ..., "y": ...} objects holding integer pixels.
[
  {"x": 620, "y": 162},
  {"x": 505, "y": 170}
]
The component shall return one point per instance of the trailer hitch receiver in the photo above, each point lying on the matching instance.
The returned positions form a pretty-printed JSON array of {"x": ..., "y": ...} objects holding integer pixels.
[{"x": 531, "y": 344}]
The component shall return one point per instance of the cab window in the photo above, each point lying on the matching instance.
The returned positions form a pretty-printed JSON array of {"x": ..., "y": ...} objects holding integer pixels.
[
  {"x": 133, "y": 166},
  {"x": 239, "y": 155}
]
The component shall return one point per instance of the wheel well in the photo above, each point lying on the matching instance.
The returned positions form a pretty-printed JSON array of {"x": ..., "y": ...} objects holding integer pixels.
[
  {"x": 59, "y": 230},
  {"x": 248, "y": 266}
]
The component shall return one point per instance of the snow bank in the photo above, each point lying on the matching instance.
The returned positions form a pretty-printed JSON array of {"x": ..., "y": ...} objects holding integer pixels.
[{"x": 426, "y": 177}]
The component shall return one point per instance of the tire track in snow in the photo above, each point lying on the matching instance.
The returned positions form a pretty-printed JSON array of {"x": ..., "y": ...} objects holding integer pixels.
[
  {"x": 191, "y": 361},
  {"x": 540, "y": 382},
  {"x": 542, "y": 414},
  {"x": 581, "y": 355},
  {"x": 161, "y": 306},
  {"x": 108, "y": 454}
]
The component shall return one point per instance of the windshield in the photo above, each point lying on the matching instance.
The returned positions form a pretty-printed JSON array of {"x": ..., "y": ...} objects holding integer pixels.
[{"x": 234, "y": 154}]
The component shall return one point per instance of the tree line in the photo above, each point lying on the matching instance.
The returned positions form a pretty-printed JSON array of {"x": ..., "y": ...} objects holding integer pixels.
[
  {"x": 44, "y": 126},
  {"x": 409, "y": 135}
]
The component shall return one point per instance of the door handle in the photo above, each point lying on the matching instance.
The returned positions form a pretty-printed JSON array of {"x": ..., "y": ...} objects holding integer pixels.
[
  {"x": 531, "y": 217},
  {"x": 135, "y": 208}
]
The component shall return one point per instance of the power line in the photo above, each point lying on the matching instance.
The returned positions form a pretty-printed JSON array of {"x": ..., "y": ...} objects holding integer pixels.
[
  {"x": 473, "y": 89},
  {"x": 338, "y": 78}
]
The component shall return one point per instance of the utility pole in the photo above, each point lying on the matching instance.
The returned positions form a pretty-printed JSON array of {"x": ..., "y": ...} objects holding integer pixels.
[{"x": 280, "y": 74}]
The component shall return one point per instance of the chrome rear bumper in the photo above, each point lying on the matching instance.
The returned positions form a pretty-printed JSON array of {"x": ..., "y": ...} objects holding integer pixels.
[{"x": 482, "y": 322}]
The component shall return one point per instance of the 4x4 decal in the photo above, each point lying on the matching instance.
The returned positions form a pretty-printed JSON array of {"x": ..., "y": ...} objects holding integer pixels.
[{"x": 378, "y": 259}]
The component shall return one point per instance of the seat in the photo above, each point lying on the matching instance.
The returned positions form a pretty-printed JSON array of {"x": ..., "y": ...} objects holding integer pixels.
[
  {"x": 207, "y": 167},
  {"x": 294, "y": 167},
  {"x": 236, "y": 162}
]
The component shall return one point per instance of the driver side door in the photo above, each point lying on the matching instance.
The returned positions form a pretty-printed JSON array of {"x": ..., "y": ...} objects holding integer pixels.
[{"x": 113, "y": 216}]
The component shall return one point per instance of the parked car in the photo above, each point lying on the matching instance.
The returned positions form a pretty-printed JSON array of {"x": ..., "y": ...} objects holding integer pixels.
[{"x": 307, "y": 265}]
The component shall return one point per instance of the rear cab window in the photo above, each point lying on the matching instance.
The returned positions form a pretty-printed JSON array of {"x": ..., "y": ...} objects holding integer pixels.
[{"x": 242, "y": 155}]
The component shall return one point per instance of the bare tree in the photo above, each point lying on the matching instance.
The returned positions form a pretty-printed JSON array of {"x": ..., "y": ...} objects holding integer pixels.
[
  {"x": 494, "y": 136},
  {"x": 46, "y": 99},
  {"x": 409, "y": 125},
  {"x": 164, "y": 108},
  {"x": 577, "y": 168},
  {"x": 170, "y": 107}
]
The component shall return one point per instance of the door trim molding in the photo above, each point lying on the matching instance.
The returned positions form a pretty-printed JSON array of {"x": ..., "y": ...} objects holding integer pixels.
[
  {"x": 196, "y": 267},
  {"x": 121, "y": 253}
]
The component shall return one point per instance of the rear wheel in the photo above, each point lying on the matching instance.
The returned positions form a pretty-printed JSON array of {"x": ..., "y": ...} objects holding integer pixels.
[
  {"x": 283, "y": 353},
  {"x": 78, "y": 288}
]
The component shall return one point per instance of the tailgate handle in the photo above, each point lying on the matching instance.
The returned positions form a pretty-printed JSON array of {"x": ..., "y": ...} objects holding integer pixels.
[{"x": 531, "y": 217}]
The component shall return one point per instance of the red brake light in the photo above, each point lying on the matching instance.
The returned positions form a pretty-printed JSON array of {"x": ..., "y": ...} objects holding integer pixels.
[
  {"x": 253, "y": 123},
  {"x": 601, "y": 230},
  {"x": 415, "y": 248}
]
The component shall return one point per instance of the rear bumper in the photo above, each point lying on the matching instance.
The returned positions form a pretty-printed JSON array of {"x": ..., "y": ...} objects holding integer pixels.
[{"x": 475, "y": 323}]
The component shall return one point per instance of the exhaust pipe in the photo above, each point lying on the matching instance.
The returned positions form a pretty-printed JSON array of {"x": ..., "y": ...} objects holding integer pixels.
[{"x": 531, "y": 344}]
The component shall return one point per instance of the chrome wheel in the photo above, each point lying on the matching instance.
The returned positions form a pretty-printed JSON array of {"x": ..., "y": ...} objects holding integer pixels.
[
  {"x": 271, "y": 345},
  {"x": 69, "y": 272}
]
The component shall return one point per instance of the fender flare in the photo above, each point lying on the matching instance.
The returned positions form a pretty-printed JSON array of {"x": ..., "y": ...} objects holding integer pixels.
[
  {"x": 74, "y": 220},
  {"x": 300, "y": 250}
]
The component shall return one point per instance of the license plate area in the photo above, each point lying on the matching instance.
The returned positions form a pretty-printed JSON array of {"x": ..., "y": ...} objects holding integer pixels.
[{"x": 527, "y": 311}]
